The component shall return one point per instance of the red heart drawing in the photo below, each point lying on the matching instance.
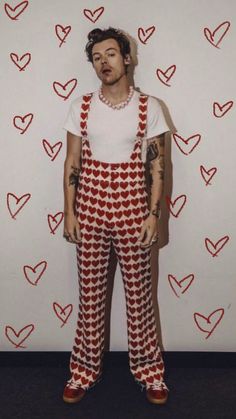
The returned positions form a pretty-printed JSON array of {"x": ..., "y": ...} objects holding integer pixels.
[
  {"x": 62, "y": 32},
  {"x": 93, "y": 15},
  {"x": 34, "y": 274},
  {"x": 10, "y": 11},
  {"x": 52, "y": 150},
  {"x": 215, "y": 248},
  {"x": 21, "y": 62},
  {"x": 54, "y": 221},
  {"x": 15, "y": 204},
  {"x": 220, "y": 110},
  {"x": 207, "y": 175},
  {"x": 186, "y": 146},
  {"x": 208, "y": 324},
  {"x": 164, "y": 77},
  {"x": 144, "y": 34},
  {"x": 23, "y": 122},
  {"x": 62, "y": 313},
  {"x": 65, "y": 90},
  {"x": 176, "y": 206},
  {"x": 218, "y": 34},
  {"x": 23, "y": 334},
  {"x": 177, "y": 286}
]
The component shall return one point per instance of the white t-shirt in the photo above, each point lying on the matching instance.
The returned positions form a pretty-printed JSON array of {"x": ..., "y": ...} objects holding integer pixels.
[{"x": 112, "y": 132}]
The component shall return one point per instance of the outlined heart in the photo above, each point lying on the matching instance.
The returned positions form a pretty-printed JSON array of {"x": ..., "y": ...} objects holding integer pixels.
[
  {"x": 22, "y": 123},
  {"x": 21, "y": 62},
  {"x": 14, "y": 12},
  {"x": 63, "y": 313},
  {"x": 15, "y": 204},
  {"x": 165, "y": 76},
  {"x": 62, "y": 32},
  {"x": 220, "y": 110},
  {"x": 93, "y": 16},
  {"x": 54, "y": 221},
  {"x": 215, "y": 248},
  {"x": 65, "y": 90},
  {"x": 207, "y": 175},
  {"x": 17, "y": 338},
  {"x": 182, "y": 285},
  {"x": 218, "y": 34},
  {"x": 52, "y": 150},
  {"x": 34, "y": 274},
  {"x": 145, "y": 34},
  {"x": 176, "y": 206},
  {"x": 186, "y": 146},
  {"x": 208, "y": 324}
]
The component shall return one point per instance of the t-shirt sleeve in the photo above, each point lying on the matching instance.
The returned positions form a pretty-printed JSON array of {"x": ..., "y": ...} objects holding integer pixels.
[
  {"x": 72, "y": 121},
  {"x": 156, "y": 122}
]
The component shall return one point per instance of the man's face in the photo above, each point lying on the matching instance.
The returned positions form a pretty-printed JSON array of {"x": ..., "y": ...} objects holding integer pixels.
[{"x": 108, "y": 61}]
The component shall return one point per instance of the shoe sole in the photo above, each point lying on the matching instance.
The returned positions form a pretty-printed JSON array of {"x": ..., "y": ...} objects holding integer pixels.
[{"x": 157, "y": 401}]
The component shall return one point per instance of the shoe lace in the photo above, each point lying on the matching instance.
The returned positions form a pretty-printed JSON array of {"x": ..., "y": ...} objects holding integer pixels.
[
  {"x": 159, "y": 385},
  {"x": 72, "y": 384}
]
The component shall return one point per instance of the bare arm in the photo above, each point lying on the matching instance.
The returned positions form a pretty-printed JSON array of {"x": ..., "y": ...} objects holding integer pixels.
[
  {"x": 71, "y": 176},
  {"x": 156, "y": 159},
  {"x": 156, "y": 162}
]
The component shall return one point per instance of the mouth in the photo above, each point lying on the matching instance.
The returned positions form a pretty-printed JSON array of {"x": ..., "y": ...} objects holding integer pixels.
[{"x": 106, "y": 71}]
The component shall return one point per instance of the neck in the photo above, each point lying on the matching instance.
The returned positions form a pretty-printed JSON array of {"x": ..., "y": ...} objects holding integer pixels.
[{"x": 117, "y": 92}]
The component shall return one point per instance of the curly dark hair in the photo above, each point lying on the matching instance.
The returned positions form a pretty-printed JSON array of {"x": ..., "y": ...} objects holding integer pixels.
[{"x": 98, "y": 35}]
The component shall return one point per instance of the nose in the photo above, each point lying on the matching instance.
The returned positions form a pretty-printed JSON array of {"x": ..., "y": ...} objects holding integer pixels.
[{"x": 104, "y": 60}]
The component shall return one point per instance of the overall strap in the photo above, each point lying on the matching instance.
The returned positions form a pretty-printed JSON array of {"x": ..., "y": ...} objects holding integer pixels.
[
  {"x": 85, "y": 106},
  {"x": 142, "y": 115}
]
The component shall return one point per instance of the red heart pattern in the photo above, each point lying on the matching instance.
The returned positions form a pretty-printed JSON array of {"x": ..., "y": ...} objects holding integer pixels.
[
  {"x": 65, "y": 90},
  {"x": 182, "y": 285},
  {"x": 208, "y": 324},
  {"x": 221, "y": 110},
  {"x": 63, "y": 313},
  {"x": 62, "y": 32},
  {"x": 17, "y": 338},
  {"x": 215, "y": 248},
  {"x": 21, "y": 62},
  {"x": 54, "y": 221},
  {"x": 33, "y": 275},
  {"x": 14, "y": 12},
  {"x": 165, "y": 76},
  {"x": 93, "y": 16},
  {"x": 22, "y": 123},
  {"x": 218, "y": 34},
  {"x": 15, "y": 204},
  {"x": 176, "y": 206},
  {"x": 145, "y": 34},
  {"x": 52, "y": 150},
  {"x": 186, "y": 146},
  {"x": 207, "y": 175}
]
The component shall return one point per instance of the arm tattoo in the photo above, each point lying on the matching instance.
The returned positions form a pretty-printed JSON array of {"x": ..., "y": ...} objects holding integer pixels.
[
  {"x": 152, "y": 151},
  {"x": 156, "y": 210},
  {"x": 74, "y": 176}
]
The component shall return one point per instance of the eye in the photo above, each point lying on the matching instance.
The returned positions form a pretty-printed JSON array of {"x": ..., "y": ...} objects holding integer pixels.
[{"x": 96, "y": 58}]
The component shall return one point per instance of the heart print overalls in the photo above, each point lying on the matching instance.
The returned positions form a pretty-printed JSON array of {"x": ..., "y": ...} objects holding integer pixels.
[{"x": 111, "y": 205}]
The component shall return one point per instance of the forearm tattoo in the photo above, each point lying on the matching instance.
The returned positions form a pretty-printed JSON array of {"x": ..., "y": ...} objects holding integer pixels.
[
  {"x": 156, "y": 210},
  {"x": 156, "y": 160},
  {"x": 74, "y": 176}
]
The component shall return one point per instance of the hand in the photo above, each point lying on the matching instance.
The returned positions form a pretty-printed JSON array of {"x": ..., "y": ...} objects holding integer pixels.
[
  {"x": 72, "y": 231},
  {"x": 149, "y": 231}
]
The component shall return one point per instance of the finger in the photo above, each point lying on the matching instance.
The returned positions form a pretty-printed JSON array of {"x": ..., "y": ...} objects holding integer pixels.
[
  {"x": 78, "y": 233},
  {"x": 142, "y": 234},
  {"x": 147, "y": 241}
]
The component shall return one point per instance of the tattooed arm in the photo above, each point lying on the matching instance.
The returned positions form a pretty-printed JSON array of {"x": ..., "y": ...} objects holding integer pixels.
[
  {"x": 71, "y": 176},
  {"x": 156, "y": 161}
]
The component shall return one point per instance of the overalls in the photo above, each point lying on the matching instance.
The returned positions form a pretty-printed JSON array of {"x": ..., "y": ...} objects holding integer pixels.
[{"x": 111, "y": 205}]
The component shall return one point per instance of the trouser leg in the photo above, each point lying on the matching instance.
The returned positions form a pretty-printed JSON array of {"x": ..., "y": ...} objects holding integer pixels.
[
  {"x": 88, "y": 350},
  {"x": 145, "y": 358}
]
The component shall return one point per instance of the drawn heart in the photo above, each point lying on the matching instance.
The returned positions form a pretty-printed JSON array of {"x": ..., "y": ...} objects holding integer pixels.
[
  {"x": 17, "y": 338},
  {"x": 21, "y": 62},
  {"x": 186, "y": 146},
  {"x": 15, "y": 204},
  {"x": 176, "y": 206},
  {"x": 23, "y": 122},
  {"x": 62, "y": 313},
  {"x": 33, "y": 275},
  {"x": 65, "y": 90},
  {"x": 215, "y": 248},
  {"x": 218, "y": 34},
  {"x": 182, "y": 285},
  {"x": 207, "y": 175},
  {"x": 220, "y": 110},
  {"x": 164, "y": 77},
  {"x": 54, "y": 221},
  {"x": 93, "y": 15},
  {"x": 144, "y": 34},
  {"x": 62, "y": 32},
  {"x": 52, "y": 150},
  {"x": 14, "y": 12},
  {"x": 208, "y": 324}
]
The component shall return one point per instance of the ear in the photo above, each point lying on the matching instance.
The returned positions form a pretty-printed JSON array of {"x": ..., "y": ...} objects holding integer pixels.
[{"x": 127, "y": 59}]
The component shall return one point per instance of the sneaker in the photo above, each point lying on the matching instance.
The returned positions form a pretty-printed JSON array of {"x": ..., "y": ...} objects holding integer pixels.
[
  {"x": 157, "y": 393},
  {"x": 73, "y": 393}
]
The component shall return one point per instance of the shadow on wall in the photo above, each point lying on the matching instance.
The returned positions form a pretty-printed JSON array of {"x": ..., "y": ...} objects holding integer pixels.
[{"x": 164, "y": 223}]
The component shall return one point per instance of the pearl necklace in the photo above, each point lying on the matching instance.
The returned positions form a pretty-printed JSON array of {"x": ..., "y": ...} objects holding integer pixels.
[{"x": 119, "y": 105}]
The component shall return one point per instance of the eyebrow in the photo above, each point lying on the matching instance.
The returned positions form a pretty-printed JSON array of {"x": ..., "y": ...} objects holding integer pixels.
[{"x": 108, "y": 49}]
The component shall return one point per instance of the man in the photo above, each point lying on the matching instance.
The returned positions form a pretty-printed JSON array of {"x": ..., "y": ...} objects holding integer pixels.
[{"x": 106, "y": 201}]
